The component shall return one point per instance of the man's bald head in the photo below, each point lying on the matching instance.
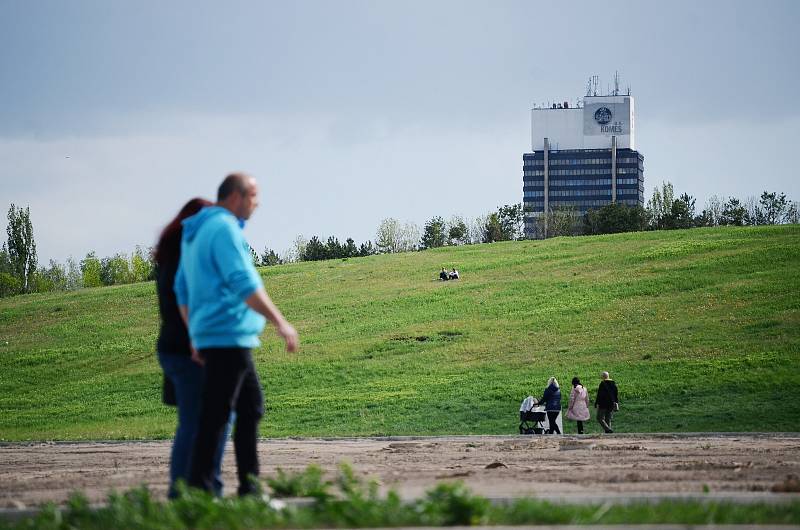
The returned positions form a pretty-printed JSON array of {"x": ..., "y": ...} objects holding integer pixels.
[
  {"x": 235, "y": 182},
  {"x": 239, "y": 194}
]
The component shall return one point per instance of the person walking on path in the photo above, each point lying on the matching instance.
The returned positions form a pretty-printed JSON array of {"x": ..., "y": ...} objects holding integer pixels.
[
  {"x": 578, "y": 409},
  {"x": 552, "y": 404},
  {"x": 222, "y": 297},
  {"x": 174, "y": 354},
  {"x": 607, "y": 401}
]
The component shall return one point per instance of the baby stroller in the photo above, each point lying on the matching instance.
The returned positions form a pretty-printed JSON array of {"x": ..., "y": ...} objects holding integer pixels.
[{"x": 531, "y": 416}]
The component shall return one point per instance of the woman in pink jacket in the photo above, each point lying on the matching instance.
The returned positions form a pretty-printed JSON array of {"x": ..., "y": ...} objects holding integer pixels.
[{"x": 578, "y": 404}]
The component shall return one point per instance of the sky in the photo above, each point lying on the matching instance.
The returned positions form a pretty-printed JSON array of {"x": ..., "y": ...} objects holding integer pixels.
[{"x": 113, "y": 114}]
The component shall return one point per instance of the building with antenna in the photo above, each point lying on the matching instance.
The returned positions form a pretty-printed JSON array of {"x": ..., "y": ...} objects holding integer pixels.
[{"x": 583, "y": 156}]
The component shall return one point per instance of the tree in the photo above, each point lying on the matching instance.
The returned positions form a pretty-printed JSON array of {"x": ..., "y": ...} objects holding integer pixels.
[
  {"x": 49, "y": 279},
  {"x": 477, "y": 229},
  {"x": 434, "y": 234},
  {"x": 493, "y": 230},
  {"x": 349, "y": 248},
  {"x": 712, "y": 213},
  {"x": 297, "y": 249},
  {"x": 733, "y": 213},
  {"x": 314, "y": 250},
  {"x": 457, "y": 231},
  {"x": 142, "y": 268},
  {"x": 409, "y": 237},
  {"x": 793, "y": 213},
  {"x": 512, "y": 221},
  {"x": 90, "y": 271},
  {"x": 334, "y": 249},
  {"x": 254, "y": 257},
  {"x": 74, "y": 279},
  {"x": 681, "y": 214},
  {"x": 366, "y": 249},
  {"x": 388, "y": 235},
  {"x": 659, "y": 207},
  {"x": 270, "y": 258},
  {"x": 773, "y": 207},
  {"x": 115, "y": 270},
  {"x": 21, "y": 249},
  {"x": 754, "y": 215},
  {"x": 9, "y": 285},
  {"x": 563, "y": 221},
  {"x": 614, "y": 218},
  {"x": 5, "y": 262},
  {"x": 393, "y": 237}
]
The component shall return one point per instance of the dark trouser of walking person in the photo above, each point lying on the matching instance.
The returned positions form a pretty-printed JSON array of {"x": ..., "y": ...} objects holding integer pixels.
[
  {"x": 580, "y": 426},
  {"x": 552, "y": 415},
  {"x": 604, "y": 419},
  {"x": 231, "y": 384},
  {"x": 187, "y": 378}
]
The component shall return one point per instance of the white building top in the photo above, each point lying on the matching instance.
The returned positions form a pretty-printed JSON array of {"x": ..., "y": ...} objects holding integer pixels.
[{"x": 588, "y": 127}]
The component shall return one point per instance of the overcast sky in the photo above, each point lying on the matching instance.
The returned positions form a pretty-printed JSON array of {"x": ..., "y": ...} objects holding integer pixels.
[{"x": 113, "y": 114}]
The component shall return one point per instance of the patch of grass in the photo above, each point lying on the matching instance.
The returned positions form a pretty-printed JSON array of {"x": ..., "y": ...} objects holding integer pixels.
[
  {"x": 310, "y": 483},
  {"x": 357, "y": 504},
  {"x": 700, "y": 329}
]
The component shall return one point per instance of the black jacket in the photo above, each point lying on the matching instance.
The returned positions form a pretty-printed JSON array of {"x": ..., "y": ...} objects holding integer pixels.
[
  {"x": 173, "y": 336},
  {"x": 606, "y": 395},
  {"x": 552, "y": 398}
]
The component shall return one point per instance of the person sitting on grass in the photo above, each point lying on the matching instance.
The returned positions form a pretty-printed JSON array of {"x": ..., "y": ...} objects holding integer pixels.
[
  {"x": 443, "y": 275},
  {"x": 453, "y": 274}
]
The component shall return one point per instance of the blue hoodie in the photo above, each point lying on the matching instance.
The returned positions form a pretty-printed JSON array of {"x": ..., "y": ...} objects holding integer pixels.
[{"x": 215, "y": 276}]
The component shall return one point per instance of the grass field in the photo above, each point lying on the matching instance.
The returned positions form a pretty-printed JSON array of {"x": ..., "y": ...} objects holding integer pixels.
[{"x": 700, "y": 329}]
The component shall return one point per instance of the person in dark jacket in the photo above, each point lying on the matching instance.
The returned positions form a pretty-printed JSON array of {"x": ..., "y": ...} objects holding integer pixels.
[
  {"x": 552, "y": 404},
  {"x": 183, "y": 377},
  {"x": 606, "y": 402}
]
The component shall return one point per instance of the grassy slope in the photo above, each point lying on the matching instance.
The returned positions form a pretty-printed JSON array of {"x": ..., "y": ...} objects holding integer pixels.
[{"x": 700, "y": 328}]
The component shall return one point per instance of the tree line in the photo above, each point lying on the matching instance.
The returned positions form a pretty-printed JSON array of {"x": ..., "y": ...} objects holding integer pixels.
[
  {"x": 393, "y": 236},
  {"x": 666, "y": 211},
  {"x": 21, "y": 273}
]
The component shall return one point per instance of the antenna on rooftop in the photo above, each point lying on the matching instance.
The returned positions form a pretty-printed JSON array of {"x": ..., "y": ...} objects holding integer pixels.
[
  {"x": 629, "y": 90},
  {"x": 616, "y": 83},
  {"x": 589, "y": 87},
  {"x": 595, "y": 81}
]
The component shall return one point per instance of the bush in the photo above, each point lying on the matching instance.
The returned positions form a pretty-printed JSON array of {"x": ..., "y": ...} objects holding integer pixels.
[{"x": 9, "y": 285}]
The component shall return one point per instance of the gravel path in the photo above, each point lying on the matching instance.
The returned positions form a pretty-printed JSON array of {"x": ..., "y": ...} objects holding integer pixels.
[{"x": 727, "y": 466}]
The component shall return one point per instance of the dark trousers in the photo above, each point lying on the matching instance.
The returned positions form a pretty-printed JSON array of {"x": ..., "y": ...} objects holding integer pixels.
[
  {"x": 604, "y": 418},
  {"x": 231, "y": 384},
  {"x": 551, "y": 419},
  {"x": 580, "y": 426}
]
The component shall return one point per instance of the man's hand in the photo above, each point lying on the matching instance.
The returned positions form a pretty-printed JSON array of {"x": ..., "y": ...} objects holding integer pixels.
[
  {"x": 196, "y": 357},
  {"x": 289, "y": 334},
  {"x": 260, "y": 302}
]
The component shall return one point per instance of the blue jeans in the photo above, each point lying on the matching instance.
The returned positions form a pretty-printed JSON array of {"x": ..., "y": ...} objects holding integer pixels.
[{"x": 188, "y": 378}]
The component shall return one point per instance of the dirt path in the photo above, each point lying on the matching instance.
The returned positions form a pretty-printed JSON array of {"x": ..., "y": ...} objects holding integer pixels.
[{"x": 494, "y": 466}]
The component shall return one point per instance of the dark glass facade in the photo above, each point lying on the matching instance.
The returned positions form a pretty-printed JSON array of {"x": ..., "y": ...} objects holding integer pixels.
[{"x": 580, "y": 179}]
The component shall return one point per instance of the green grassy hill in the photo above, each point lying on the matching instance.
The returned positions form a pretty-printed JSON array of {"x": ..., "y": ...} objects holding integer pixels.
[{"x": 700, "y": 329}]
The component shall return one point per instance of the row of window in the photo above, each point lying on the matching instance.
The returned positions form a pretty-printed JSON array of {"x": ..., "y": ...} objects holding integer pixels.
[
  {"x": 582, "y": 161},
  {"x": 595, "y": 171},
  {"x": 581, "y": 182},
  {"x": 578, "y": 204},
  {"x": 579, "y": 193}
]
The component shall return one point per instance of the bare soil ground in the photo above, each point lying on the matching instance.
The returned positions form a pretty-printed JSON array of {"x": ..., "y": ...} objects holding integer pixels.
[{"x": 493, "y": 466}]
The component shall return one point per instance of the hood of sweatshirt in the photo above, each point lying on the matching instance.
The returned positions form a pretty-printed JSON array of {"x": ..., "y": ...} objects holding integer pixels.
[{"x": 192, "y": 224}]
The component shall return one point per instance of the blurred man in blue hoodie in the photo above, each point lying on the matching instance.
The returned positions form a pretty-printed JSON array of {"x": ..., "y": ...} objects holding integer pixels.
[{"x": 222, "y": 298}]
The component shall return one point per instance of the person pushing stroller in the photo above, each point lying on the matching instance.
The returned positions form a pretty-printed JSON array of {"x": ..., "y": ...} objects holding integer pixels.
[{"x": 552, "y": 405}]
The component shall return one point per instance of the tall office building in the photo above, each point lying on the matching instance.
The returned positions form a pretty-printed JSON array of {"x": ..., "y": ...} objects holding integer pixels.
[{"x": 583, "y": 157}]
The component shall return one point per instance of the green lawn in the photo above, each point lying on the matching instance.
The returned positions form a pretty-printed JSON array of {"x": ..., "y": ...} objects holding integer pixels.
[{"x": 700, "y": 329}]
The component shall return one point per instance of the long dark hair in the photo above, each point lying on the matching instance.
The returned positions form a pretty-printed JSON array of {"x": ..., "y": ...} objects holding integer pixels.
[{"x": 168, "y": 248}]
